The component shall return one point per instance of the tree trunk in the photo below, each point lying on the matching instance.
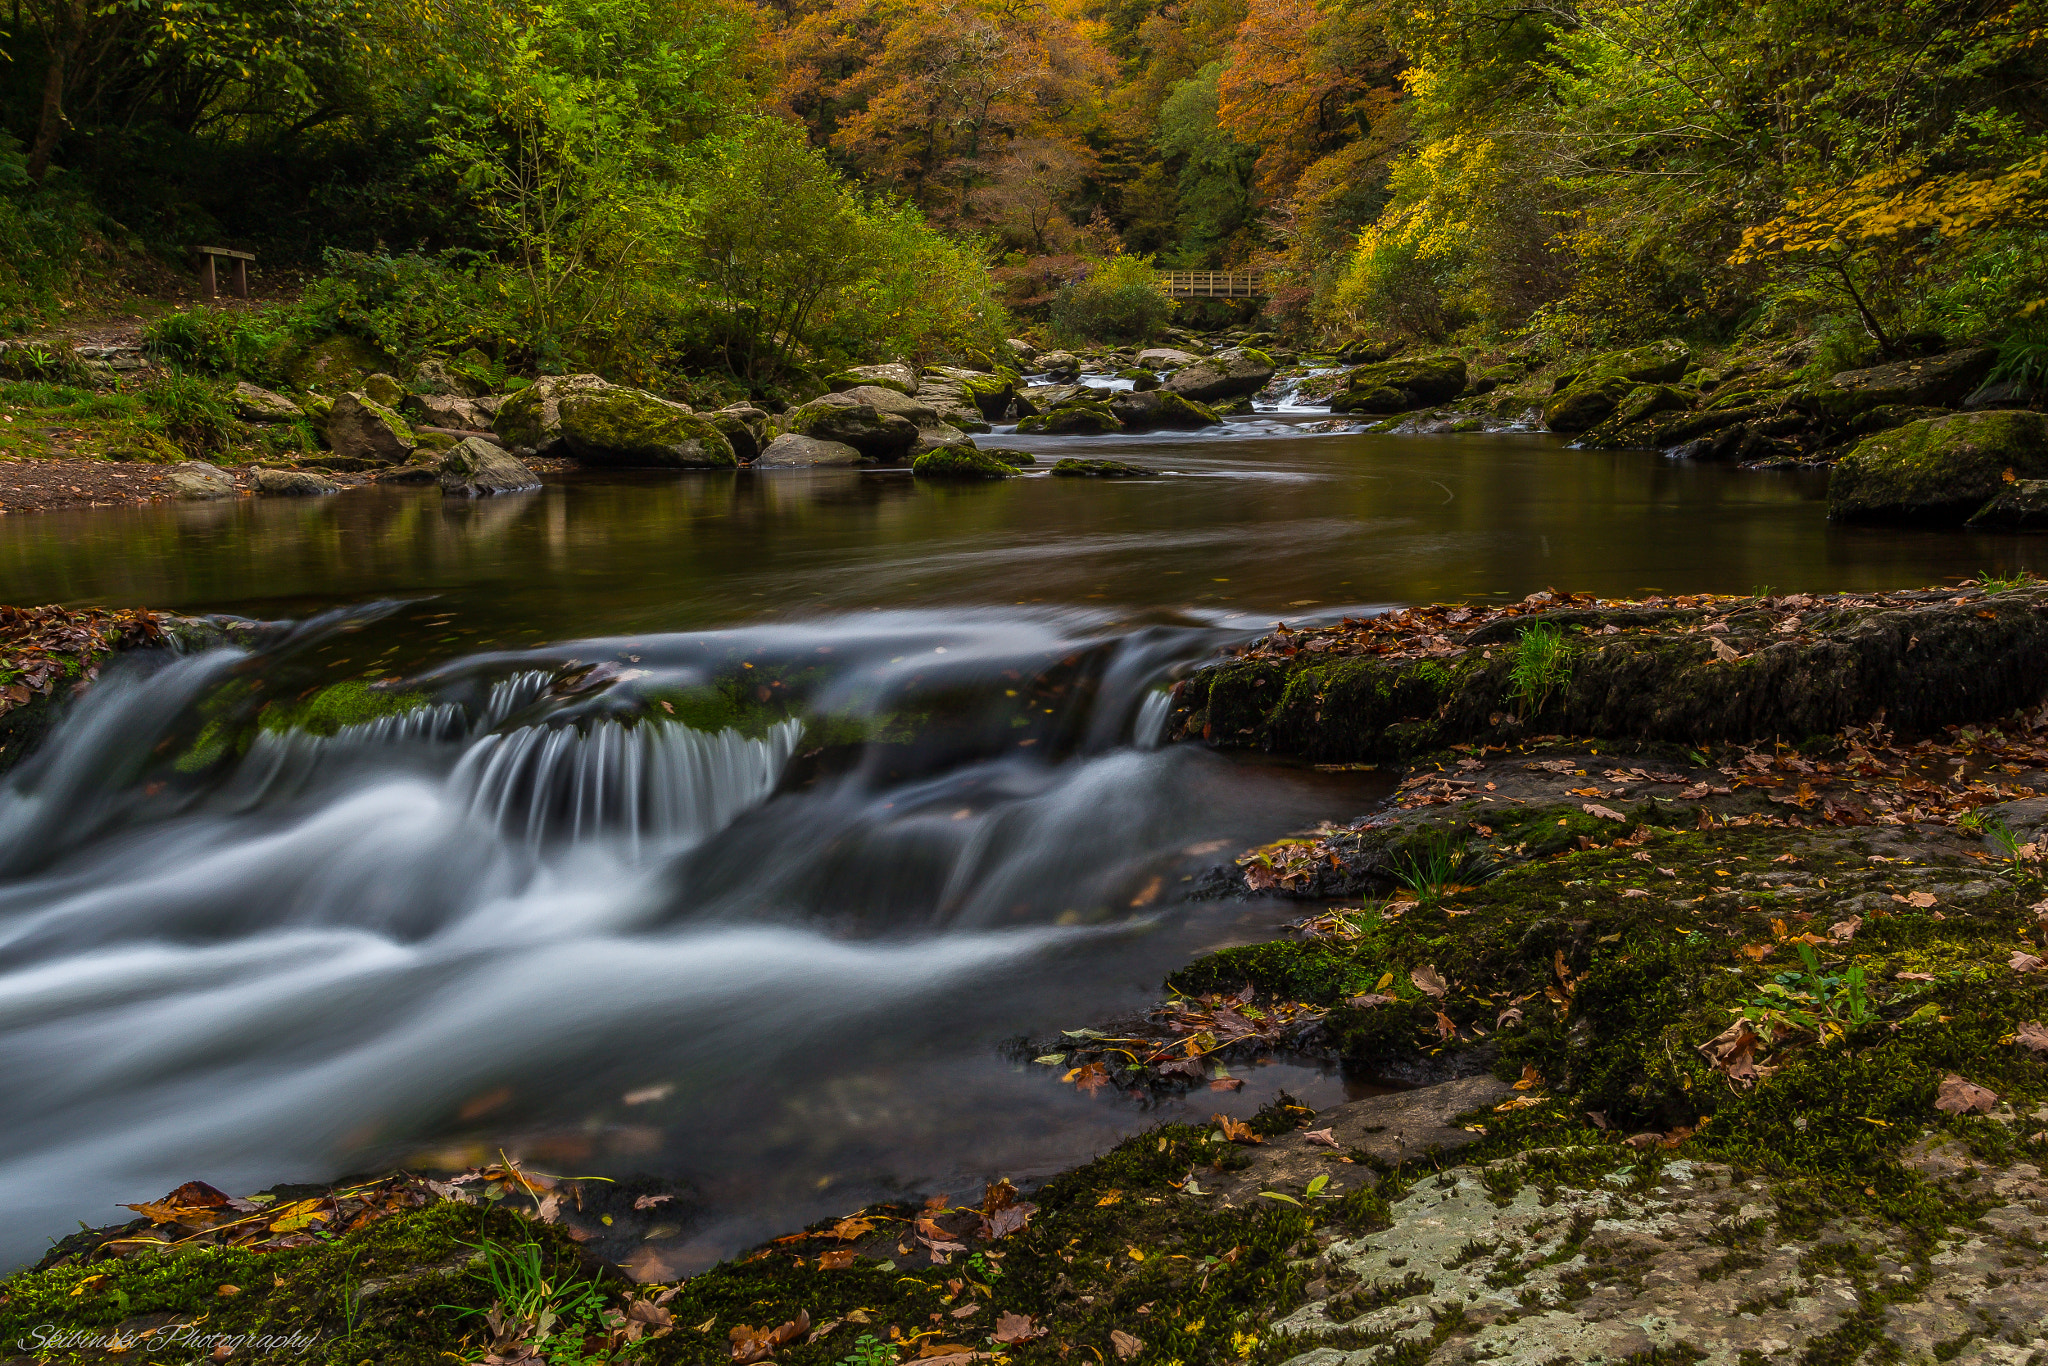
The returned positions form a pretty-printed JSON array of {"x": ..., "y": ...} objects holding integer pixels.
[{"x": 63, "y": 45}]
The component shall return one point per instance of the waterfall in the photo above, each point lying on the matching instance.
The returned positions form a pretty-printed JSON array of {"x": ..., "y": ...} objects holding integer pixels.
[
  {"x": 654, "y": 779},
  {"x": 1149, "y": 730}
]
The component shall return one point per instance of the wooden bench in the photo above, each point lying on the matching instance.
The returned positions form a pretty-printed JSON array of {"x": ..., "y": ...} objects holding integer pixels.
[{"x": 238, "y": 271}]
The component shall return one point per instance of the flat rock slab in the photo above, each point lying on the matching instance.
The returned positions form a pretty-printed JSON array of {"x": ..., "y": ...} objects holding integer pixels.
[
  {"x": 1395, "y": 1128},
  {"x": 1689, "y": 1259}
]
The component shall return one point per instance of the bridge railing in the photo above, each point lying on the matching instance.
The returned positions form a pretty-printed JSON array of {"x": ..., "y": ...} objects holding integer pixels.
[{"x": 1212, "y": 284}]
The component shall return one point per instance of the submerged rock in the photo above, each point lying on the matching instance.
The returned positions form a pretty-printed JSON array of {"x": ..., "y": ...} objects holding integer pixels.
[
  {"x": 1100, "y": 469},
  {"x": 475, "y": 468},
  {"x": 961, "y": 462},
  {"x": 792, "y": 450},
  {"x": 292, "y": 483},
  {"x": 197, "y": 481},
  {"x": 1941, "y": 470}
]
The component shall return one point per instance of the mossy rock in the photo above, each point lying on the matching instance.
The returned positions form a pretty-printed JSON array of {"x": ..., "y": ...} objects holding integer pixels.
[
  {"x": 1073, "y": 419},
  {"x": 626, "y": 427},
  {"x": 1141, "y": 380},
  {"x": 1400, "y": 386},
  {"x": 1100, "y": 469},
  {"x": 961, "y": 461},
  {"x": 338, "y": 362},
  {"x": 1161, "y": 408},
  {"x": 1941, "y": 470},
  {"x": 1598, "y": 388},
  {"x": 1008, "y": 456}
]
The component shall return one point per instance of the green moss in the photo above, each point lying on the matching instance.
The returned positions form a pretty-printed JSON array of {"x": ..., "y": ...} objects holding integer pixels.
[
  {"x": 349, "y": 703},
  {"x": 961, "y": 461},
  {"x": 1938, "y": 470},
  {"x": 1099, "y": 469},
  {"x": 389, "y": 1293},
  {"x": 615, "y": 426}
]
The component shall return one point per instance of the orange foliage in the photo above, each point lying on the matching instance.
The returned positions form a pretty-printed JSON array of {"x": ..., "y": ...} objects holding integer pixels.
[{"x": 1301, "y": 84}]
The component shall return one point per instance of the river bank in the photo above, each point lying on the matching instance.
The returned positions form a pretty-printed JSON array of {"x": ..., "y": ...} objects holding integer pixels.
[{"x": 1684, "y": 1018}]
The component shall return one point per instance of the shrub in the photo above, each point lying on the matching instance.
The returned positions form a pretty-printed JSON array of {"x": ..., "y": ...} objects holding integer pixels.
[
  {"x": 1122, "y": 299},
  {"x": 413, "y": 304},
  {"x": 252, "y": 346},
  {"x": 191, "y": 413}
]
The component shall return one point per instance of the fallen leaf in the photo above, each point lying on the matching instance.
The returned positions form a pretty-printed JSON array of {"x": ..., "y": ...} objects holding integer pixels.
[
  {"x": 1845, "y": 930},
  {"x": 2033, "y": 1036},
  {"x": 1959, "y": 1097},
  {"x": 1369, "y": 1000},
  {"x": 1628, "y": 892},
  {"x": 1530, "y": 1078},
  {"x": 838, "y": 1259},
  {"x": 1923, "y": 900},
  {"x": 650, "y": 1201},
  {"x": 1016, "y": 1328},
  {"x": 1125, "y": 1345},
  {"x": 1109, "y": 1198},
  {"x": 1427, "y": 980},
  {"x": 2024, "y": 962},
  {"x": 751, "y": 1344},
  {"x": 1913, "y": 976},
  {"x": 1732, "y": 1053},
  {"x": 1237, "y": 1131},
  {"x": 1324, "y": 1138},
  {"x": 1603, "y": 812}
]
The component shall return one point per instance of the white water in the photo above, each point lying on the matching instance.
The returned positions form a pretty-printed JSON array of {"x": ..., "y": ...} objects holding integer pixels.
[{"x": 485, "y": 922}]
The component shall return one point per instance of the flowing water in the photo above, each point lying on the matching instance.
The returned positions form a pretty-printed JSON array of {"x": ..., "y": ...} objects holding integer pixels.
[{"x": 736, "y": 820}]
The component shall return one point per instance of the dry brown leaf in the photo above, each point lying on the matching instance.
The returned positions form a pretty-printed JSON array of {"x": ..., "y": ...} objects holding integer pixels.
[
  {"x": 1959, "y": 1097},
  {"x": 1732, "y": 1053},
  {"x": 1124, "y": 1344},
  {"x": 1427, "y": 980},
  {"x": 2033, "y": 1036},
  {"x": 1922, "y": 900},
  {"x": 1237, "y": 1131},
  {"x": 1322, "y": 1138},
  {"x": 1844, "y": 930},
  {"x": 1016, "y": 1328},
  {"x": 1605, "y": 813},
  {"x": 2024, "y": 962},
  {"x": 837, "y": 1259}
]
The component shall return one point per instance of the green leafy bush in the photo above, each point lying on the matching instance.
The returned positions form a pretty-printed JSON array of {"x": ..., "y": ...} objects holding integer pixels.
[
  {"x": 251, "y": 346},
  {"x": 1122, "y": 299}
]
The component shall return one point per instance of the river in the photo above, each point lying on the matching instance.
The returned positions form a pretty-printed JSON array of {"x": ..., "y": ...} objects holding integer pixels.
[{"x": 775, "y": 956}]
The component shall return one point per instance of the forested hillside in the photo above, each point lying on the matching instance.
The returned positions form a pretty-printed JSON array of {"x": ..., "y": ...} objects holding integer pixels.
[{"x": 662, "y": 184}]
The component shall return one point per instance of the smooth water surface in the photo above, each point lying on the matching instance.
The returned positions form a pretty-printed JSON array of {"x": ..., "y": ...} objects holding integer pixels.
[{"x": 769, "y": 943}]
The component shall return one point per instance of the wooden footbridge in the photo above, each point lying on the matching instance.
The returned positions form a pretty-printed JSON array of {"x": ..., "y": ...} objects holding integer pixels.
[{"x": 1213, "y": 284}]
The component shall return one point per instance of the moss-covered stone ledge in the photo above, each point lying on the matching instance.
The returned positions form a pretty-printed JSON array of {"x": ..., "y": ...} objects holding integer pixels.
[{"x": 1682, "y": 670}]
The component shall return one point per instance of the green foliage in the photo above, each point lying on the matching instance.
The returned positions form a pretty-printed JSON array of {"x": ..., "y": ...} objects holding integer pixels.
[
  {"x": 412, "y": 304},
  {"x": 218, "y": 342},
  {"x": 1542, "y": 666},
  {"x": 1121, "y": 300},
  {"x": 1437, "y": 864},
  {"x": 869, "y": 1350},
  {"x": 1217, "y": 204},
  {"x": 191, "y": 412}
]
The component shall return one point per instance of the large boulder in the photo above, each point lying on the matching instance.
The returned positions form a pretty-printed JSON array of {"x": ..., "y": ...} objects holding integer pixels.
[
  {"x": 476, "y": 468},
  {"x": 1165, "y": 358},
  {"x": 293, "y": 484},
  {"x": 1943, "y": 381},
  {"x": 1238, "y": 373},
  {"x": 1940, "y": 470},
  {"x": 960, "y": 461},
  {"x": 196, "y": 481},
  {"x": 1022, "y": 350},
  {"x": 253, "y": 404},
  {"x": 1079, "y": 418},
  {"x": 439, "y": 377},
  {"x": 339, "y": 361},
  {"x": 1400, "y": 386},
  {"x": 877, "y": 433},
  {"x": 1152, "y": 409},
  {"x": 744, "y": 426},
  {"x": 531, "y": 419},
  {"x": 1594, "y": 392},
  {"x": 948, "y": 388},
  {"x": 1034, "y": 399},
  {"x": 367, "y": 433},
  {"x": 895, "y": 375},
  {"x": 792, "y": 451},
  {"x": 613, "y": 425}
]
